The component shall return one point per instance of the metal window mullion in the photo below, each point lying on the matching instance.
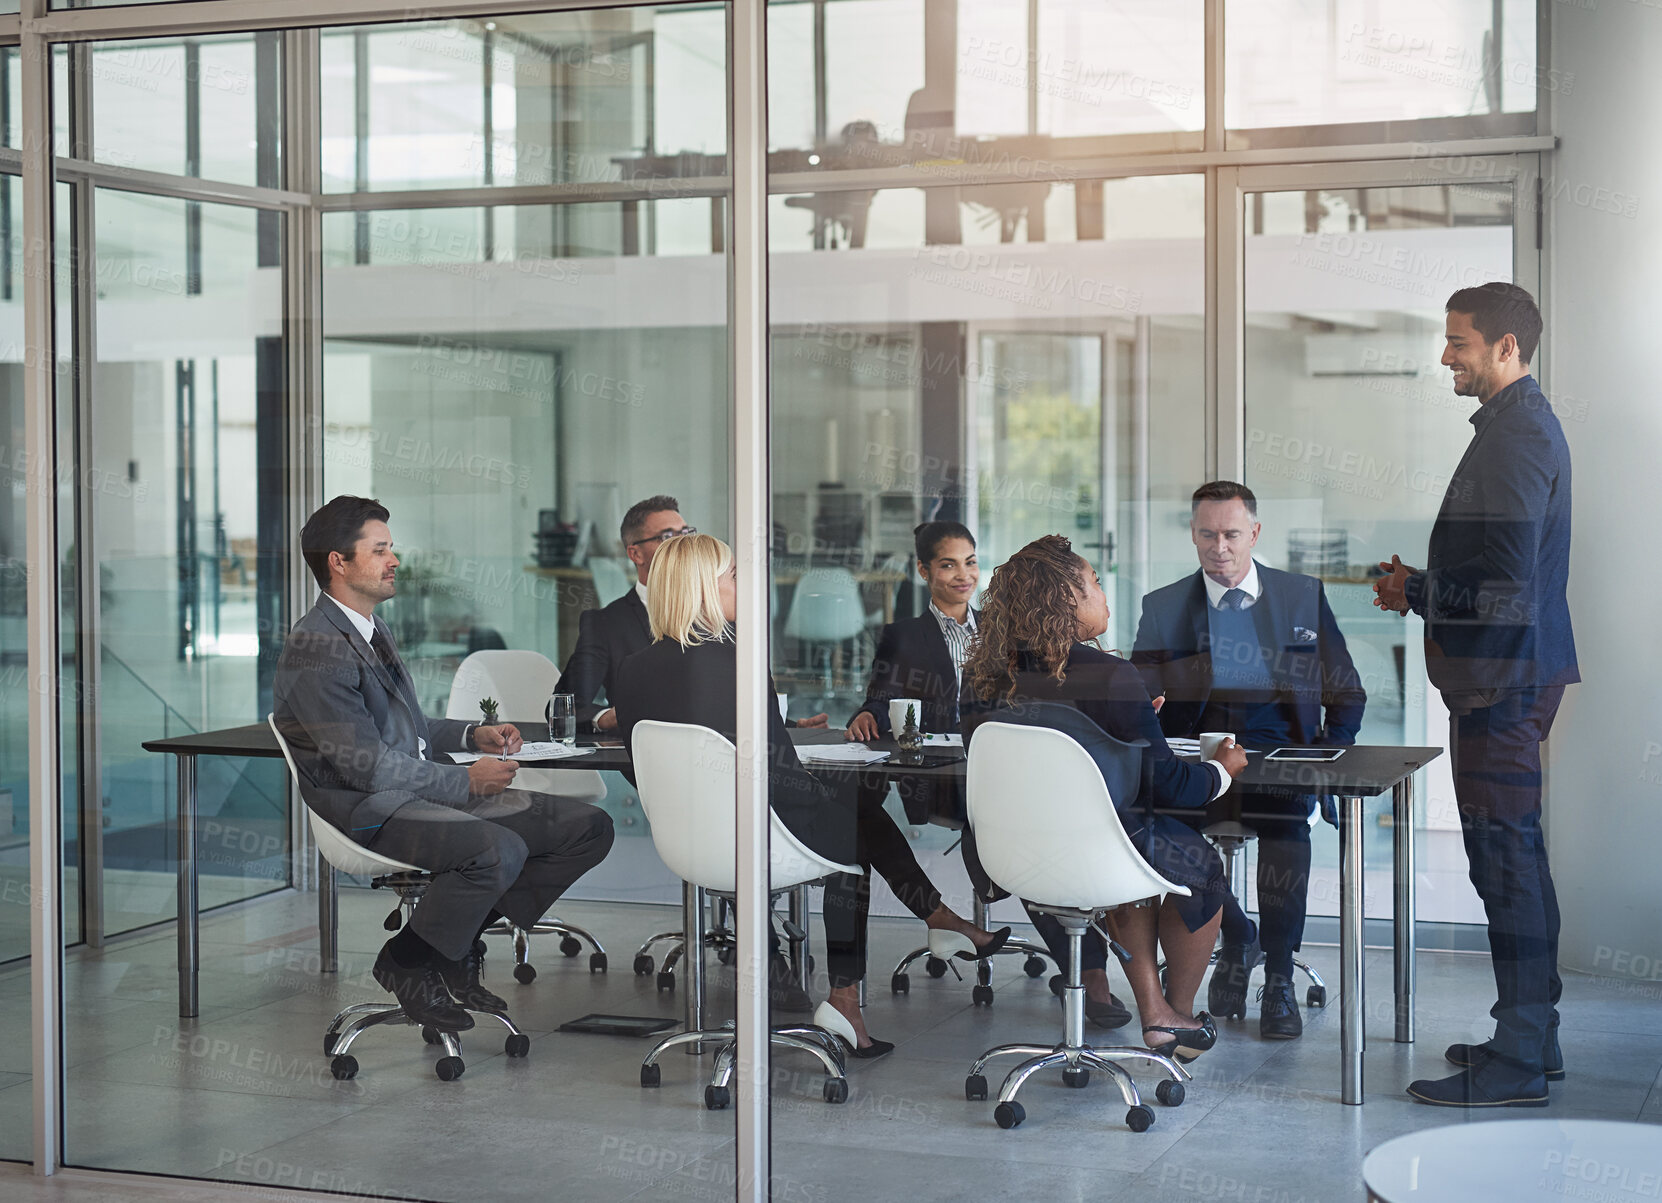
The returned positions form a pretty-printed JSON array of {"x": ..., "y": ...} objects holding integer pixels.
[
  {"x": 1226, "y": 436},
  {"x": 42, "y": 590},
  {"x": 302, "y": 268},
  {"x": 748, "y": 332},
  {"x": 1214, "y": 75}
]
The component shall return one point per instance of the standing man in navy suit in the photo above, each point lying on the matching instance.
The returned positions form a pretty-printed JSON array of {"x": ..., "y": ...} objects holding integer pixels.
[
  {"x": 1498, "y": 645},
  {"x": 1248, "y": 649}
]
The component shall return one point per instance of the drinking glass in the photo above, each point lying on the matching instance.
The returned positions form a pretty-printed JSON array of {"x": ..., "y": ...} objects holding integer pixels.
[{"x": 562, "y": 718}]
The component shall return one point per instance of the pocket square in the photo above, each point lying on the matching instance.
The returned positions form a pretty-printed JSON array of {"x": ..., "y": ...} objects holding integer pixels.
[{"x": 1303, "y": 635}]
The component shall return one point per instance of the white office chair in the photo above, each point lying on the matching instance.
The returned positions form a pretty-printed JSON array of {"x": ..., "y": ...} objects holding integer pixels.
[
  {"x": 611, "y": 579},
  {"x": 1047, "y": 832},
  {"x": 826, "y": 611},
  {"x": 686, "y": 777},
  {"x": 522, "y": 682},
  {"x": 409, "y": 882}
]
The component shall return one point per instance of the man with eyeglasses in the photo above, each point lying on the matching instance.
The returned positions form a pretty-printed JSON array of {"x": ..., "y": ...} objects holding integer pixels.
[{"x": 606, "y": 637}]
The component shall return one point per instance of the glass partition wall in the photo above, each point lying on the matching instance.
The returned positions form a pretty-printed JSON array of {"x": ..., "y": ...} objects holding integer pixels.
[{"x": 1022, "y": 274}]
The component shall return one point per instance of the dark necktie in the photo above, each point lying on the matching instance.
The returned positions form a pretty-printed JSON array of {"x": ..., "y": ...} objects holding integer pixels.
[
  {"x": 1232, "y": 600},
  {"x": 382, "y": 647}
]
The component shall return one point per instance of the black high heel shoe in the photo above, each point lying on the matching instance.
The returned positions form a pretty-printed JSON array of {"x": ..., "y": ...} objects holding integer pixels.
[
  {"x": 1186, "y": 1043},
  {"x": 944, "y": 944},
  {"x": 836, "y": 1023}
]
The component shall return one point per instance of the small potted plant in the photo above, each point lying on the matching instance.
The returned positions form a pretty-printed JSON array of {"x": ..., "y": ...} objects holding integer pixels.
[
  {"x": 488, "y": 708},
  {"x": 909, "y": 737}
]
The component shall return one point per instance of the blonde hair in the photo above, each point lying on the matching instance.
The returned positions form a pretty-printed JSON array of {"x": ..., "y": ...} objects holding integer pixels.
[{"x": 683, "y": 598}]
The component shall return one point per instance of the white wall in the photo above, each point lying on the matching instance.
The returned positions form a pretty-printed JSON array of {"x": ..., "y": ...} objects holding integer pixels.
[{"x": 1604, "y": 808}]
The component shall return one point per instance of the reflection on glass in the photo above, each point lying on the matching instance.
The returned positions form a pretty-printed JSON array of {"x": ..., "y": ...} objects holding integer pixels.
[
  {"x": 1045, "y": 379},
  {"x": 1024, "y": 74},
  {"x": 1348, "y": 420},
  {"x": 204, "y": 107},
  {"x": 524, "y": 99},
  {"x": 1293, "y": 63}
]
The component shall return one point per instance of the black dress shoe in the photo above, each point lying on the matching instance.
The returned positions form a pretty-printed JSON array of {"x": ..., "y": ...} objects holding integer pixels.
[
  {"x": 422, "y": 994},
  {"x": 1186, "y": 1043},
  {"x": 1278, "y": 1014},
  {"x": 461, "y": 978},
  {"x": 1470, "y": 1055},
  {"x": 1226, "y": 995},
  {"x": 1496, "y": 1082},
  {"x": 1110, "y": 1014},
  {"x": 784, "y": 993}
]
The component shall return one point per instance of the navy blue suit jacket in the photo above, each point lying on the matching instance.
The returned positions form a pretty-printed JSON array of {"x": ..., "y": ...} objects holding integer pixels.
[
  {"x": 1493, "y": 592},
  {"x": 1309, "y": 664}
]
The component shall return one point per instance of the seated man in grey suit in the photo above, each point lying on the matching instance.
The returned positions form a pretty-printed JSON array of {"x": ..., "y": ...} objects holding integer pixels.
[{"x": 364, "y": 751}]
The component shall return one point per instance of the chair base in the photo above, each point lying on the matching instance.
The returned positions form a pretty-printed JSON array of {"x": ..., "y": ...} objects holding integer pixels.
[
  {"x": 1075, "y": 1057},
  {"x": 571, "y": 936},
  {"x": 355, "y": 1020},
  {"x": 805, "y": 1038},
  {"x": 1034, "y": 964},
  {"x": 1231, "y": 840}
]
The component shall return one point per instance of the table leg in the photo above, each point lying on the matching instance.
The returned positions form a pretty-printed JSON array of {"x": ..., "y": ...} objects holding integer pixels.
[
  {"x": 1351, "y": 950},
  {"x": 692, "y": 961},
  {"x": 328, "y": 917},
  {"x": 1402, "y": 935},
  {"x": 189, "y": 934}
]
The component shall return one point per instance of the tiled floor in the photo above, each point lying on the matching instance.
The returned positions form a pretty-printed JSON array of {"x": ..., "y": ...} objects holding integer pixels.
[{"x": 244, "y": 1093}]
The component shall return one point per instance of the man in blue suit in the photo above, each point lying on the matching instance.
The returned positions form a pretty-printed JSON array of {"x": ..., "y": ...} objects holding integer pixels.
[
  {"x": 1248, "y": 649},
  {"x": 1498, "y": 645}
]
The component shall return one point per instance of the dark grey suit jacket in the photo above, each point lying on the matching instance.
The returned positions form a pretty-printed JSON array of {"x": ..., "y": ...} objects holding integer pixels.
[{"x": 353, "y": 726}]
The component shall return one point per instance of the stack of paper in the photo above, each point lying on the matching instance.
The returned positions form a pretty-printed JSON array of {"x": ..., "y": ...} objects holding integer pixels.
[
  {"x": 531, "y": 751},
  {"x": 844, "y": 754},
  {"x": 944, "y": 741},
  {"x": 1183, "y": 747}
]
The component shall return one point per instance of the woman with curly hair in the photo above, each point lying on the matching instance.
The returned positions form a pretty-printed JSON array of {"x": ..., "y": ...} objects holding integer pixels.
[{"x": 1041, "y": 615}]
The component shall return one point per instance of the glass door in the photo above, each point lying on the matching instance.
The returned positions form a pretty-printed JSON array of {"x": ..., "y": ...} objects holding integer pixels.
[{"x": 1351, "y": 430}]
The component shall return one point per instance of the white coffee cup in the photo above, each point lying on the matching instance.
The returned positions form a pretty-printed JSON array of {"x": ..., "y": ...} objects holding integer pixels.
[
  {"x": 784, "y": 705},
  {"x": 1210, "y": 742},
  {"x": 897, "y": 714}
]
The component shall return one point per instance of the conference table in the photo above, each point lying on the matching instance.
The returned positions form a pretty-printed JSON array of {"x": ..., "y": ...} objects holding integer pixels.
[{"x": 1361, "y": 773}]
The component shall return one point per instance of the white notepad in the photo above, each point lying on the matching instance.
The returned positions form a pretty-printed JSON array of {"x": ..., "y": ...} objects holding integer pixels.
[{"x": 534, "y": 751}]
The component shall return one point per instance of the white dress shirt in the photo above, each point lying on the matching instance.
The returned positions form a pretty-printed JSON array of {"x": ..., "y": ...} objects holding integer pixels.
[{"x": 1252, "y": 587}]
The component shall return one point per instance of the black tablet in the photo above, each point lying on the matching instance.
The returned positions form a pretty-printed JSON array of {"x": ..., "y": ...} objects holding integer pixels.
[{"x": 1306, "y": 754}]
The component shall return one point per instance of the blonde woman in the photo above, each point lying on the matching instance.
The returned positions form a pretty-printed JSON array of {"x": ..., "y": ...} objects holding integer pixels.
[{"x": 689, "y": 675}]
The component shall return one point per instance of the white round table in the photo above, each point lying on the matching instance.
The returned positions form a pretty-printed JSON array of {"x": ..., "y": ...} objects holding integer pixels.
[{"x": 1517, "y": 1161}]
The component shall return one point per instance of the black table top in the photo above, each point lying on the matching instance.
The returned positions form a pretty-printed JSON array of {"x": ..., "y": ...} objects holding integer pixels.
[{"x": 1365, "y": 770}]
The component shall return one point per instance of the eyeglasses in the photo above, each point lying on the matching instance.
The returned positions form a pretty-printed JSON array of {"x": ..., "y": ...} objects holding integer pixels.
[{"x": 665, "y": 534}]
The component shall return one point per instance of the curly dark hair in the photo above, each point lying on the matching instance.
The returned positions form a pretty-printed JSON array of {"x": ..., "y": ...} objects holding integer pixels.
[{"x": 1028, "y": 606}]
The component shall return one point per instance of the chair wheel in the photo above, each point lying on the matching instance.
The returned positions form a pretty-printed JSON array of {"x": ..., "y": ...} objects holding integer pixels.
[
  {"x": 344, "y": 1067},
  {"x": 900, "y": 983},
  {"x": 935, "y": 966},
  {"x": 570, "y": 946},
  {"x": 1076, "y": 1076},
  {"x": 1139, "y": 1118},
  {"x": 975, "y": 1088},
  {"x": 644, "y": 965},
  {"x": 449, "y": 1068},
  {"x": 597, "y": 962},
  {"x": 1033, "y": 966},
  {"x": 429, "y": 1035},
  {"x": 726, "y": 956},
  {"x": 651, "y": 1075},
  {"x": 329, "y": 1039},
  {"x": 836, "y": 1090},
  {"x": 1057, "y": 984},
  {"x": 525, "y": 974},
  {"x": 982, "y": 996},
  {"x": 1170, "y": 1093},
  {"x": 666, "y": 981},
  {"x": 1316, "y": 996},
  {"x": 1009, "y": 1115},
  {"x": 716, "y": 1098},
  {"x": 517, "y": 1045}
]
